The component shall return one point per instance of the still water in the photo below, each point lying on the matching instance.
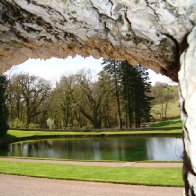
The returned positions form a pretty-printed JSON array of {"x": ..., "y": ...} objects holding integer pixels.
[{"x": 112, "y": 148}]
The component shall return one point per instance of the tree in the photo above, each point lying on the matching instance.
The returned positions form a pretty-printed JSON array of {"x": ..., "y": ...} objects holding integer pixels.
[
  {"x": 112, "y": 68},
  {"x": 142, "y": 98},
  {"x": 106, "y": 84},
  {"x": 136, "y": 87},
  {"x": 3, "y": 109},
  {"x": 128, "y": 92},
  {"x": 131, "y": 86},
  {"x": 63, "y": 109},
  {"x": 90, "y": 97},
  {"x": 27, "y": 94},
  {"x": 164, "y": 95}
]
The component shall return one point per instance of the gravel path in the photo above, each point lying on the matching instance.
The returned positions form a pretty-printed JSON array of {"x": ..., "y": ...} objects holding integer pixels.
[
  {"x": 109, "y": 164},
  {"x": 11, "y": 185}
]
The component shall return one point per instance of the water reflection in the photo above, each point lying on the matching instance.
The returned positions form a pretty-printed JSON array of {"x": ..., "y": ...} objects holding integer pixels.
[
  {"x": 114, "y": 148},
  {"x": 164, "y": 148}
]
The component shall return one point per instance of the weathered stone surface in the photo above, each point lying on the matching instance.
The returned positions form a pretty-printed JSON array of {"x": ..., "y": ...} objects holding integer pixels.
[
  {"x": 148, "y": 32},
  {"x": 188, "y": 97}
]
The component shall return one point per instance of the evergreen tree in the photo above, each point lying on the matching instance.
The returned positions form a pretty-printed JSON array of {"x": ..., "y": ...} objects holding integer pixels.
[
  {"x": 131, "y": 85},
  {"x": 112, "y": 68},
  {"x": 142, "y": 100},
  {"x": 3, "y": 109},
  {"x": 128, "y": 80}
]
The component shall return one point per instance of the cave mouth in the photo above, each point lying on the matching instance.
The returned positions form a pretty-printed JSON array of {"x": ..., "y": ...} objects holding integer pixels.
[{"x": 55, "y": 70}]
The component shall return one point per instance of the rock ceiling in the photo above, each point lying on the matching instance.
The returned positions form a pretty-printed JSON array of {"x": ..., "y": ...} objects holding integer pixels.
[{"x": 149, "y": 32}]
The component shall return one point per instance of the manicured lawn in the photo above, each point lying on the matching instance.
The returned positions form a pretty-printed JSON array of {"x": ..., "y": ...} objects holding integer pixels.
[
  {"x": 168, "y": 123},
  {"x": 125, "y": 175},
  {"x": 15, "y": 135}
]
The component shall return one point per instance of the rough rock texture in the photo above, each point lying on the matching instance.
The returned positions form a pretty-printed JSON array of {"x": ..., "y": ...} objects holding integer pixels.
[
  {"x": 149, "y": 32},
  {"x": 187, "y": 77}
]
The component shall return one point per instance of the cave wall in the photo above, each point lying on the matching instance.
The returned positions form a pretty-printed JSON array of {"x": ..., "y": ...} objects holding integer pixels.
[{"x": 187, "y": 78}]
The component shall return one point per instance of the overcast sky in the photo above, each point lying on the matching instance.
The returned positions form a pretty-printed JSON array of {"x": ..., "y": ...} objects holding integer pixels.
[{"x": 52, "y": 69}]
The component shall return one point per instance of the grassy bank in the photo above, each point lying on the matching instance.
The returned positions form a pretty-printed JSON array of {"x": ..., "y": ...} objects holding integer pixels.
[
  {"x": 123, "y": 175},
  {"x": 167, "y": 123},
  {"x": 15, "y": 135}
]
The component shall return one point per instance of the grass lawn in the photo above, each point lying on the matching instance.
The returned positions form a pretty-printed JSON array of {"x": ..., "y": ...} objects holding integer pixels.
[
  {"x": 124, "y": 175},
  {"x": 15, "y": 135},
  {"x": 167, "y": 123}
]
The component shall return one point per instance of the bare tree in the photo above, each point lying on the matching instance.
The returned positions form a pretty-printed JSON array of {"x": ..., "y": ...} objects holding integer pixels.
[{"x": 29, "y": 92}]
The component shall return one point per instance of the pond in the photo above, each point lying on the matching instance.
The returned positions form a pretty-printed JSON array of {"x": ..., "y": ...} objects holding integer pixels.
[{"x": 108, "y": 148}]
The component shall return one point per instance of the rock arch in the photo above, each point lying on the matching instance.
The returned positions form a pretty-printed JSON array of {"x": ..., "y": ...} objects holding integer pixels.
[{"x": 152, "y": 33}]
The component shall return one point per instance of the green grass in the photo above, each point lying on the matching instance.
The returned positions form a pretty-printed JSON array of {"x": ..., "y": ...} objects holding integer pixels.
[
  {"x": 15, "y": 135},
  {"x": 88, "y": 160},
  {"x": 124, "y": 175},
  {"x": 167, "y": 123}
]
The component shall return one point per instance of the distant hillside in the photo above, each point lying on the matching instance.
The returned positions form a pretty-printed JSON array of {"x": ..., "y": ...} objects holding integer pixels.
[
  {"x": 173, "y": 110},
  {"x": 165, "y": 104}
]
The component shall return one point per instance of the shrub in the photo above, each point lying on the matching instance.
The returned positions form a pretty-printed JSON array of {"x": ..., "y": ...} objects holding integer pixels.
[
  {"x": 33, "y": 126},
  {"x": 17, "y": 124}
]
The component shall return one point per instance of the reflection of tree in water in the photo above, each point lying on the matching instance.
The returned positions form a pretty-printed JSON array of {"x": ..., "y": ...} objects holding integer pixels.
[
  {"x": 4, "y": 150},
  {"x": 29, "y": 148},
  {"x": 87, "y": 148},
  {"x": 118, "y": 148},
  {"x": 129, "y": 148}
]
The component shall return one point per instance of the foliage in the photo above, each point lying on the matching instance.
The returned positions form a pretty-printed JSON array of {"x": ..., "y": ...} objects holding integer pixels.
[
  {"x": 33, "y": 126},
  {"x": 122, "y": 175},
  {"x": 136, "y": 87},
  {"x": 166, "y": 103},
  {"x": 131, "y": 87},
  {"x": 81, "y": 101},
  {"x": 112, "y": 68},
  {"x": 3, "y": 109},
  {"x": 119, "y": 96},
  {"x": 17, "y": 123},
  {"x": 26, "y": 98}
]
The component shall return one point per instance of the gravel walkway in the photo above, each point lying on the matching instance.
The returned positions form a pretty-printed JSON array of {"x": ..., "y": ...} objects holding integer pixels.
[
  {"x": 107, "y": 164},
  {"x": 11, "y": 185}
]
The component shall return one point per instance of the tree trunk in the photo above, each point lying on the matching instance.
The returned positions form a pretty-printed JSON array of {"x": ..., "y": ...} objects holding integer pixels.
[
  {"x": 117, "y": 98},
  {"x": 130, "y": 108},
  {"x": 166, "y": 107},
  {"x": 187, "y": 80},
  {"x": 28, "y": 113}
]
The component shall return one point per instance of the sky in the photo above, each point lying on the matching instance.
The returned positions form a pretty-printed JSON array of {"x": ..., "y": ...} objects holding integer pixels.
[{"x": 52, "y": 69}]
